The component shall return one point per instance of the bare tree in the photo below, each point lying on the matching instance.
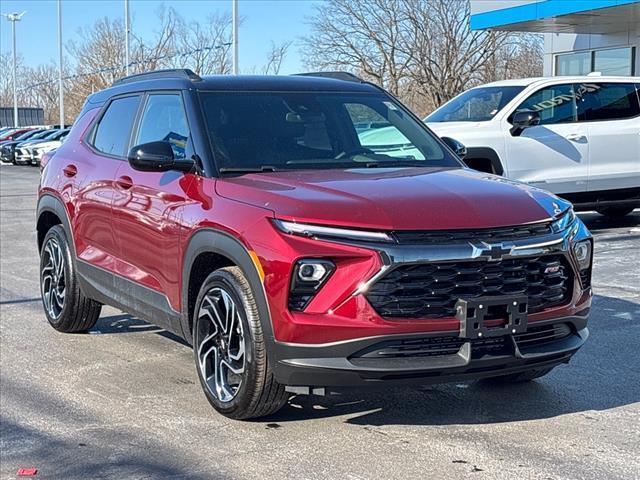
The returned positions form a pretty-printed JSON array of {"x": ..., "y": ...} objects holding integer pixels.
[
  {"x": 362, "y": 36},
  {"x": 276, "y": 55},
  {"x": 420, "y": 50}
]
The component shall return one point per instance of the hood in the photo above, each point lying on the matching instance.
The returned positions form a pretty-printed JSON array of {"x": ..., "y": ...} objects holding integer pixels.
[{"x": 394, "y": 198}]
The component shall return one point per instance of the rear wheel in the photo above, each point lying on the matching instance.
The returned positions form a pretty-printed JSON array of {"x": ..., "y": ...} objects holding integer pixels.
[
  {"x": 615, "y": 212},
  {"x": 66, "y": 307},
  {"x": 520, "y": 377},
  {"x": 229, "y": 349}
]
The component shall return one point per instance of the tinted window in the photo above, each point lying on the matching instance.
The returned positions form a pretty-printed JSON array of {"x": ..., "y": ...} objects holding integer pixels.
[
  {"x": 313, "y": 130},
  {"x": 556, "y": 104},
  {"x": 114, "y": 129},
  {"x": 607, "y": 101},
  {"x": 164, "y": 120},
  {"x": 475, "y": 105}
]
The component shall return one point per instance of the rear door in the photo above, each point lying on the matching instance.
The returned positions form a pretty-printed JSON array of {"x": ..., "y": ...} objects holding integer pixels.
[
  {"x": 555, "y": 154},
  {"x": 89, "y": 176},
  {"x": 148, "y": 210},
  {"x": 611, "y": 112}
]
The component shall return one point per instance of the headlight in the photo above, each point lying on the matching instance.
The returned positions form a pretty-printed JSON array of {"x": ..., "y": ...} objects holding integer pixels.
[
  {"x": 564, "y": 221},
  {"x": 307, "y": 230},
  {"x": 582, "y": 252}
]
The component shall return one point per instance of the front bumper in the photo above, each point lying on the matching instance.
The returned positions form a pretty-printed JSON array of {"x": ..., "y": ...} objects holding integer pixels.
[{"x": 381, "y": 361}]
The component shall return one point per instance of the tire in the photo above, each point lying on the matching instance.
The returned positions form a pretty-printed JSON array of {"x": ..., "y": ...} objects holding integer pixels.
[
  {"x": 615, "y": 212},
  {"x": 231, "y": 356},
  {"x": 521, "y": 377},
  {"x": 66, "y": 307}
]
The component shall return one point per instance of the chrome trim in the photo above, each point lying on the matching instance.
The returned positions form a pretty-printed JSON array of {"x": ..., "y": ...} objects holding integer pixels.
[{"x": 396, "y": 255}]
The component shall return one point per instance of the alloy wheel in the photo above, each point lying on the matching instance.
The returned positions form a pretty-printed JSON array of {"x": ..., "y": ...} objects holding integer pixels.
[
  {"x": 220, "y": 344},
  {"x": 53, "y": 278}
]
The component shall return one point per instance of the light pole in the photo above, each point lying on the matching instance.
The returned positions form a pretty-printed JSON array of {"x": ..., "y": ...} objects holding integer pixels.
[
  {"x": 235, "y": 35},
  {"x": 13, "y": 18},
  {"x": 61, "y": 94},
  {"x": 126, "y": 37}
]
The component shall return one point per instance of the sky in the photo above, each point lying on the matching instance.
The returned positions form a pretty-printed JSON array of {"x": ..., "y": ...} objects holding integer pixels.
[{"x": 264, "y": 21}]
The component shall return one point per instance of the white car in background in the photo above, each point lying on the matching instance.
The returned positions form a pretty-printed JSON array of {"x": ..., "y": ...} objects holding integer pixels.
[
  {"x": 578, "y": 137},
  {"x": 31, "y": 152}
]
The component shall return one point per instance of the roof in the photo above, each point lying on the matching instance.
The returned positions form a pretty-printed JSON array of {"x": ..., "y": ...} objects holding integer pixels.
[
  {"x": 525, "y": 82},
  {"x": 229, "y": 83}
]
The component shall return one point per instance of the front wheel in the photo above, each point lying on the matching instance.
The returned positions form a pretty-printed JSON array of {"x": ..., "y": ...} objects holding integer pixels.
[{"x": 230, "y": 351}]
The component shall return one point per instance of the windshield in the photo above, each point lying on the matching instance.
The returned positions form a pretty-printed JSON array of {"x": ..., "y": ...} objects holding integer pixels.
[
  {"x": 475, "y": 105},
  {"x": 252, "y": 131}
]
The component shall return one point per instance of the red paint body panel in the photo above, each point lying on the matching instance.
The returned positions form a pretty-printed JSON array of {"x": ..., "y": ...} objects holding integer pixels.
[{"x": 388, "y": 199}]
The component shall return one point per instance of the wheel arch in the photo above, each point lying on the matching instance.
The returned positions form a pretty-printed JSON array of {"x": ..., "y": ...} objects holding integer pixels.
[
  {"x": 484, "y": 159},
  {"x": 50, "y": 211},
  {"x": 219, "y": 249}
]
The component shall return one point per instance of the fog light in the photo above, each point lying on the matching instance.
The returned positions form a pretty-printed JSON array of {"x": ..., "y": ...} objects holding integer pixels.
[
  {"x": 582, "y": 252},
  {"x": 312, "y": 272},
  {"x": 308, "y": 276}
]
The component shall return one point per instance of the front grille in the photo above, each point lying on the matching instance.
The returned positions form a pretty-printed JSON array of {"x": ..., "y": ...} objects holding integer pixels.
[
  {"x": 443, "y": 237},
  {"x": 536, "y": 336},
  {"x": 430, "y": 290},
  {"x": 415, "y": 347},
  {"x": 450, "y": 345}
]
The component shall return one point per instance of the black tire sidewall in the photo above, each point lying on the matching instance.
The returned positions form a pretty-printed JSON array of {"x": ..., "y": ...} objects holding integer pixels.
[
  {"x": 250, "y": 383},
  {"x": 58, "y": 233}
]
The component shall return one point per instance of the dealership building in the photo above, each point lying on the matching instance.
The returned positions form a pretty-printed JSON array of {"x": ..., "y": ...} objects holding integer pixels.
[{"x": 581, "y": 36}]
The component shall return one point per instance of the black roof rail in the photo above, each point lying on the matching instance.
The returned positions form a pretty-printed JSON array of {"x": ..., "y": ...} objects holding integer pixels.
[
  {"x": 155, "y": 74},
  {"x": 345, "y": 76}
]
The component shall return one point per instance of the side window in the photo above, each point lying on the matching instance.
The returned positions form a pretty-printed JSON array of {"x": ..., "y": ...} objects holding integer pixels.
[
  {"x": 607, "y": 101},
  {"x": 555, "y": 104},
  {"x": 164, "y": 120},
  {"x": 113, "y": 130}
]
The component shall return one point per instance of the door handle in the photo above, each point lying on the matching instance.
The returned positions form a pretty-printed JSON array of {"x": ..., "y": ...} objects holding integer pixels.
[
  {"x": 575, "y": 137},
  {"x": 124, "y": 182},
  {"x": 70, "y": 171}
]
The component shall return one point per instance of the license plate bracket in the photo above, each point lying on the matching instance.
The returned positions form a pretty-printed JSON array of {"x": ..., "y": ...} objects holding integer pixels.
[{"x": 475, "y": 313}]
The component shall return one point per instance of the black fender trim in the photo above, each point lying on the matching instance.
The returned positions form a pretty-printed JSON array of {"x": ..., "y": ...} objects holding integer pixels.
[
  {"x": 50, "y": 203},
  {"x": 476, "y": 153},
  {"x": 209, "y": 240}
]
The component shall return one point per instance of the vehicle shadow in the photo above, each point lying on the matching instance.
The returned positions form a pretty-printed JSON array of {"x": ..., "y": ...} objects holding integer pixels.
[
  {"x": 125, "y": 323},
  {"x": 602, "y": 376},
  {"x": 596, "y": 222}
]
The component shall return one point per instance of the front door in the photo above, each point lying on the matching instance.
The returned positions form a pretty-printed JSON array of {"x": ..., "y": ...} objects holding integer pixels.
[
  {"x": 555, "y": 154},
  {"x": 148, "y": 211}
]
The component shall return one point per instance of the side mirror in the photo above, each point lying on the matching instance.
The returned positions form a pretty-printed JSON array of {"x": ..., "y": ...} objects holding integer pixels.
[
  {"x": 524, "y": 119},
  {"x": 458, "y": 147},
  {"x": 157, "y": 157}
]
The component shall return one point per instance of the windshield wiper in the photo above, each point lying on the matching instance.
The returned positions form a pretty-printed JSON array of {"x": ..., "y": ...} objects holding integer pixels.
[{"x": 242, "y": 170}]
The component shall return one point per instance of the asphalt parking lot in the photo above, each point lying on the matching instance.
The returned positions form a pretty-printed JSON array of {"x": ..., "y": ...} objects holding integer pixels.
[{"x": 124, "y": 401}]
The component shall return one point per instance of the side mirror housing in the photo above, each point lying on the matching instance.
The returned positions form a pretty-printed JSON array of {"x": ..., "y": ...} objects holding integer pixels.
[
  {"x": 524, "y": 119},
  {"x": 458, "y": 147},
  {"x": 157, "y": 157}
]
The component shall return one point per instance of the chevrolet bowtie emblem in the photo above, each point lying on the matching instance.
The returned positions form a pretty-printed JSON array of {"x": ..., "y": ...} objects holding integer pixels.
[{"x": 495, "y": 251}]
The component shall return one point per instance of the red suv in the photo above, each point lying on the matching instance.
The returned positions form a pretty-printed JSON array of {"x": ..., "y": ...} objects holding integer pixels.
[{"x": 251, "y": 216}]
